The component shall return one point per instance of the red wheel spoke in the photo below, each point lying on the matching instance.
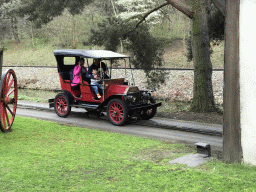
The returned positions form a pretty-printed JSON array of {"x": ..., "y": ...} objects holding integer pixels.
[
  {"x": 12, "y": 113},
  {"x": 11, "y": 92},
  {"x": 62, "y": 106},
  {"x": 116, "y": 112},
  {"x": 8, "y": 76},
  {"x": 3, "y": 122},
  {"x": 10, "y": 84},
  {"x": 6, "y": 89},
  {"x": 6, "y": 117},
  {"x": 6, "y": 81}
]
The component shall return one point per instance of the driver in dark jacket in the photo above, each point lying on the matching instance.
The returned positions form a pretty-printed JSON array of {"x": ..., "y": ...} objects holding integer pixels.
[{"x": 98, "y": 65}]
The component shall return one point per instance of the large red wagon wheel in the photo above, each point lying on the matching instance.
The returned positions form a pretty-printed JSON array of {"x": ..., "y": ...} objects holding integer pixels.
[{"x": 8, "y": 101}]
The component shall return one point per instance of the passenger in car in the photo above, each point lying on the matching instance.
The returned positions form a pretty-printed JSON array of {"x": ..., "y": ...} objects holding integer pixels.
[
  {"x": 98, "y": 65},
  {"x": 78, "y": 71},
  {"x": 95, "y": 83}
]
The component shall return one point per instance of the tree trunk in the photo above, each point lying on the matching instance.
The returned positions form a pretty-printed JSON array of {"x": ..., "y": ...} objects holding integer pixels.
[
  {"x": 1, "y": 34},
  {"x": 15, "y": 29},
  {"x": 1, "y": 39},
  {"x": 32, "y": 35},
  {"x": 203, "y": 99},
  {"x": 74, "y": 32}
]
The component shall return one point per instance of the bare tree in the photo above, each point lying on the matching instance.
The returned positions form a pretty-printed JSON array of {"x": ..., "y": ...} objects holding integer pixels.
[
  {"x": 198, "y": 11},
  {"x": 203, "y": 99}
]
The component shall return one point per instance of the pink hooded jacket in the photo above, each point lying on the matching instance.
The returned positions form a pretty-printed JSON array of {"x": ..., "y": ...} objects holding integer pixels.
[{"x": 76, "y": 75}]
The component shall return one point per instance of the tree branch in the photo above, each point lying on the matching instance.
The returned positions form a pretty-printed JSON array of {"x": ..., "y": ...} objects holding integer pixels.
[
  {"x": 175, "y": 3},
  {"x": 181, "y": 7},
  {"x": 149, "y": 12}
]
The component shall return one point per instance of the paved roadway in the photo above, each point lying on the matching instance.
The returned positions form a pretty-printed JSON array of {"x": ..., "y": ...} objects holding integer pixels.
[{"x": 157, "y": 128}]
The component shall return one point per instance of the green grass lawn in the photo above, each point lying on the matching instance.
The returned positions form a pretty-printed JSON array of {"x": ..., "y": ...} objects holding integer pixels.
[{"x": 44, "y": 156}]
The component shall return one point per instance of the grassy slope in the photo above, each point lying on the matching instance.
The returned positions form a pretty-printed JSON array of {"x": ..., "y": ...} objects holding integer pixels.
[
  {"x": 44, "y": 156},
  {"x": 24, "y": 55}
]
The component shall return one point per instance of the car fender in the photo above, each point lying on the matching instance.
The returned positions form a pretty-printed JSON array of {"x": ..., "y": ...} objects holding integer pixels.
[
  {"x": 70, "y": 96},
  {"x": 105, "y": 102}
]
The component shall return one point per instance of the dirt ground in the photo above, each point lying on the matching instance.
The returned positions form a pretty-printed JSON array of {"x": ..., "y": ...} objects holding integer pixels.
[{"x": 213, "y": 118}]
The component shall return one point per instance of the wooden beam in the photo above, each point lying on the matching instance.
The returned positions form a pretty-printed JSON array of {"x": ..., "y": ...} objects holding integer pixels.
[
  {"x": 221, "y": 5},
  {"x": 232, "y": 150},
  {"x": 1, "y": 62}
]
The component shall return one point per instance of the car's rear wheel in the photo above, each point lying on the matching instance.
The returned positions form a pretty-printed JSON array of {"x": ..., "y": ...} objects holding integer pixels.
[
  {"x": 62, "y": 105},
  {"x": 149, "y": 113},
  {"x": 117, "y": 112}
]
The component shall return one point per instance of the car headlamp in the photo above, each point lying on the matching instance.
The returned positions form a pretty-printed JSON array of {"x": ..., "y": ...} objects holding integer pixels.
[
  {"x": 131, "y": 98},
  {"x": 145, "y": 94}
]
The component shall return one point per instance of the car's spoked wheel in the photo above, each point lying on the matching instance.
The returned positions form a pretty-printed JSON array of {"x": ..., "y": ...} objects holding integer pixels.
[
  {"x": 8, "y": 101},
  {"x": 62, "y": 105},
  {"x": 149, "y": 113},
  {"x": 117, "y": 112}
]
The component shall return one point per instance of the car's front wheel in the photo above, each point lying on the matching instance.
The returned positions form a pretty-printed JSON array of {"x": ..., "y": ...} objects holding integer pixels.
[
  {"x": 149, "y": 113},
  {"x": 117, "y": 112},
  {"x": 62, "y": 105}
]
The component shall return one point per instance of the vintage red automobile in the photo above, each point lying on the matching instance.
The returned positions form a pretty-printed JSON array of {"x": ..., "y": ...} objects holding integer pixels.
[{"x": 119, "y": 100}]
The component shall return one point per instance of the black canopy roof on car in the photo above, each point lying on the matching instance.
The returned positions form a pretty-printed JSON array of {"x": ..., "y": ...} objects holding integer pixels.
[
  {"x": 94, "y": 54},
  {"x": 80, "y": 53}
]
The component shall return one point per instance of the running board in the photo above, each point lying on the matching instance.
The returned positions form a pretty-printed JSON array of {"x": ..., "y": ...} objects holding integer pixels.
[
  {"x": 86, "y": 106},
  {"x": 143, "y": 107}
]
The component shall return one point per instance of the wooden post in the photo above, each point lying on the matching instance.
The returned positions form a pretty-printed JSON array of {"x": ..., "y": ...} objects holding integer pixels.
[
  {"x": 232, "y": 150},
  {"x": 248, "y": 81}
]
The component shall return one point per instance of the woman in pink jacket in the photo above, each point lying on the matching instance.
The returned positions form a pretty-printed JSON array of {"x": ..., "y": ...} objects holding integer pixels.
[{"x": 76, "y": 75}]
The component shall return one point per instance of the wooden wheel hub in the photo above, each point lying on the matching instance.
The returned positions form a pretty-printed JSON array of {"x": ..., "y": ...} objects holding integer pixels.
[{"x": 7, "y": 100}]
